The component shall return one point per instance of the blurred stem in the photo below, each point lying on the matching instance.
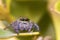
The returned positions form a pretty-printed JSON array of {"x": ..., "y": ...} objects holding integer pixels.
[
  {"x": 9, "y": 17},
  {"x": 55, "y": 17}
]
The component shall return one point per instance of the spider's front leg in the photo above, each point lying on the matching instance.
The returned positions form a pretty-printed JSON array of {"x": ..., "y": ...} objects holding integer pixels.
[
  {"x": 5, "y": 28},
  {"x": 17, "y": 31}
]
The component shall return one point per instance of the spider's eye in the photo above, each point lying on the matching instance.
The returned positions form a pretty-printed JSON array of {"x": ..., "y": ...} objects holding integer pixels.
[
  {"x": 26, "y": 19},
  {"x": 22, "y": 19}
]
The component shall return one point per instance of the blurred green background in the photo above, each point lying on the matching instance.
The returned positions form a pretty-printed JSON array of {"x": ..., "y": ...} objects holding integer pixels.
[{"x": 38, "y": 12}]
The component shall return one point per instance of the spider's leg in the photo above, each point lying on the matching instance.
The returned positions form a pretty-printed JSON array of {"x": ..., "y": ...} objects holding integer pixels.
[
  {"x": 5, "y": 28},
  {"x": 29, "y": 30},
  {"x": 17, "y": 31}
]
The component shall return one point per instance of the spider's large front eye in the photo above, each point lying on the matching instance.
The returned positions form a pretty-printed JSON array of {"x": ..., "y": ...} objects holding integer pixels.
[
  {"x": 27, "y": 20},
  {"x": 22, "y": 19}
]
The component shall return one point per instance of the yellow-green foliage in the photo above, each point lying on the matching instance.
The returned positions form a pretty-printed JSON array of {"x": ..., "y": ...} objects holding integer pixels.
[{"x": 58, "y": 6}]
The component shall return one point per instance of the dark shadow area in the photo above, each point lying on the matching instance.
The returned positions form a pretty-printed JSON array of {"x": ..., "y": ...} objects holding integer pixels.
[{"x": 46, "y": 24}]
